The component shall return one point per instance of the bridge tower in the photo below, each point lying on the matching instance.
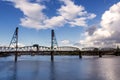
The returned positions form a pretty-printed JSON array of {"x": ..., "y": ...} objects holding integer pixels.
[
  {"x": 53, "y": 44},
  {"x": 53, "y": 40},
  {"x": 14, "y": 42}
]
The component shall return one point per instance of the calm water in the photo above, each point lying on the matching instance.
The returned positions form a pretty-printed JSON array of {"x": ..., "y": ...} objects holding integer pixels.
[{"x": 63, "y": 68}]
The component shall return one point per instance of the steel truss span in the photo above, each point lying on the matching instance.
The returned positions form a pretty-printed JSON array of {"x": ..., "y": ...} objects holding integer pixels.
[{"x": 39, "y": 48}]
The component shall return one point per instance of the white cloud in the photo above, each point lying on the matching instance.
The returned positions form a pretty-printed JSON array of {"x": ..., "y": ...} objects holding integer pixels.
[
  {"x": 70, "y": 10},
  {"x": 68, "y": 13},
  {"x": 65, "y": 42},
  {"x": 33, "y": 13},
  {"x": 21, "y": 45},
  {"x": 75, "y": 15},
  {"x": 54, "y": 21},
  {"x": 78, "y": 22},
  {"x": 108, "y": 34}
]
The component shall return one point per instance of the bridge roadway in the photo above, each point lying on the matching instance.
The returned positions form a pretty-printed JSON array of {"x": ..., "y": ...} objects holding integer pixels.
[
  {"x": 37, "y": 49},
  {"x": 43, "y": 50}
]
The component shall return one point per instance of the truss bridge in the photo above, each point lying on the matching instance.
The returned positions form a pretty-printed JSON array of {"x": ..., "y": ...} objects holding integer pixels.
[{"x": 54, "y": 49}]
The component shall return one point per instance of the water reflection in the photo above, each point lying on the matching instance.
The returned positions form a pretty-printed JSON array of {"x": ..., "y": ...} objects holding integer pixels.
[
  {"x": 52, "y": 71},
  {"x": 109, "y": 68},
  {"x": 14, "y": 76}
]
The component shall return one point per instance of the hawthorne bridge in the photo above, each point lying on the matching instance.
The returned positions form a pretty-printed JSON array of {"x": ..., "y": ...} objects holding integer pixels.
[{"x": 14, "y": 49}]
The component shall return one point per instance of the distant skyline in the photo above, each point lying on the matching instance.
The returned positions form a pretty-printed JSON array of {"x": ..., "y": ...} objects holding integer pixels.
[{"x": 81, "y": 23}]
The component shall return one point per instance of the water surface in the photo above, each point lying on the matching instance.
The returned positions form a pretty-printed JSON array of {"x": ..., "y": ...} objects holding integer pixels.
[{"x": 63, "y": 68}]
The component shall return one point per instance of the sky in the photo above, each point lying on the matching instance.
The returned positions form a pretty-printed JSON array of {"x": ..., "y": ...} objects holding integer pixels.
[{"x": 80, "y": 23}]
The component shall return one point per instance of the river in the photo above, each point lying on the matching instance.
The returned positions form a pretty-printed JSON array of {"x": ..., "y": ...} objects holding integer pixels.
[{"x": 63, "y": 68}]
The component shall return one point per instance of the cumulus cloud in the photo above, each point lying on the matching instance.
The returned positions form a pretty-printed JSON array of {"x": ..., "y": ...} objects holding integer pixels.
[
  {"x": 108, "y": 34},
  {"x": 74, "y": 15},
  {"x": 68, "y": 13},
  {"x": 55, "y": 21}
]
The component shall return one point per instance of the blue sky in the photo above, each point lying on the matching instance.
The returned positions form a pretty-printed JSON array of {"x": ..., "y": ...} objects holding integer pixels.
[{"x": 72, "y": 21}]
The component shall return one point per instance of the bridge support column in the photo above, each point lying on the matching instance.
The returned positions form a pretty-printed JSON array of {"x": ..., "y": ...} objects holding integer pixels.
[
  {"x": 100, "y": 54},
  {"x": 52, "y": 55},
  {"x": 16, "y": 55},
  {"x": 117, "y": 51},
  {"x": 80, "y": 54}
]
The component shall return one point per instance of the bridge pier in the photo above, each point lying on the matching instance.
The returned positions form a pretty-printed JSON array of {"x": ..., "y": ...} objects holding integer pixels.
[
  {"x": 52, "y": 55},
  {"x": 100, "y": 54},
  {"x": 16, "y": 55},
  {"x": 80, "y": 54},
  {"x": 116, "y": 53}
]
